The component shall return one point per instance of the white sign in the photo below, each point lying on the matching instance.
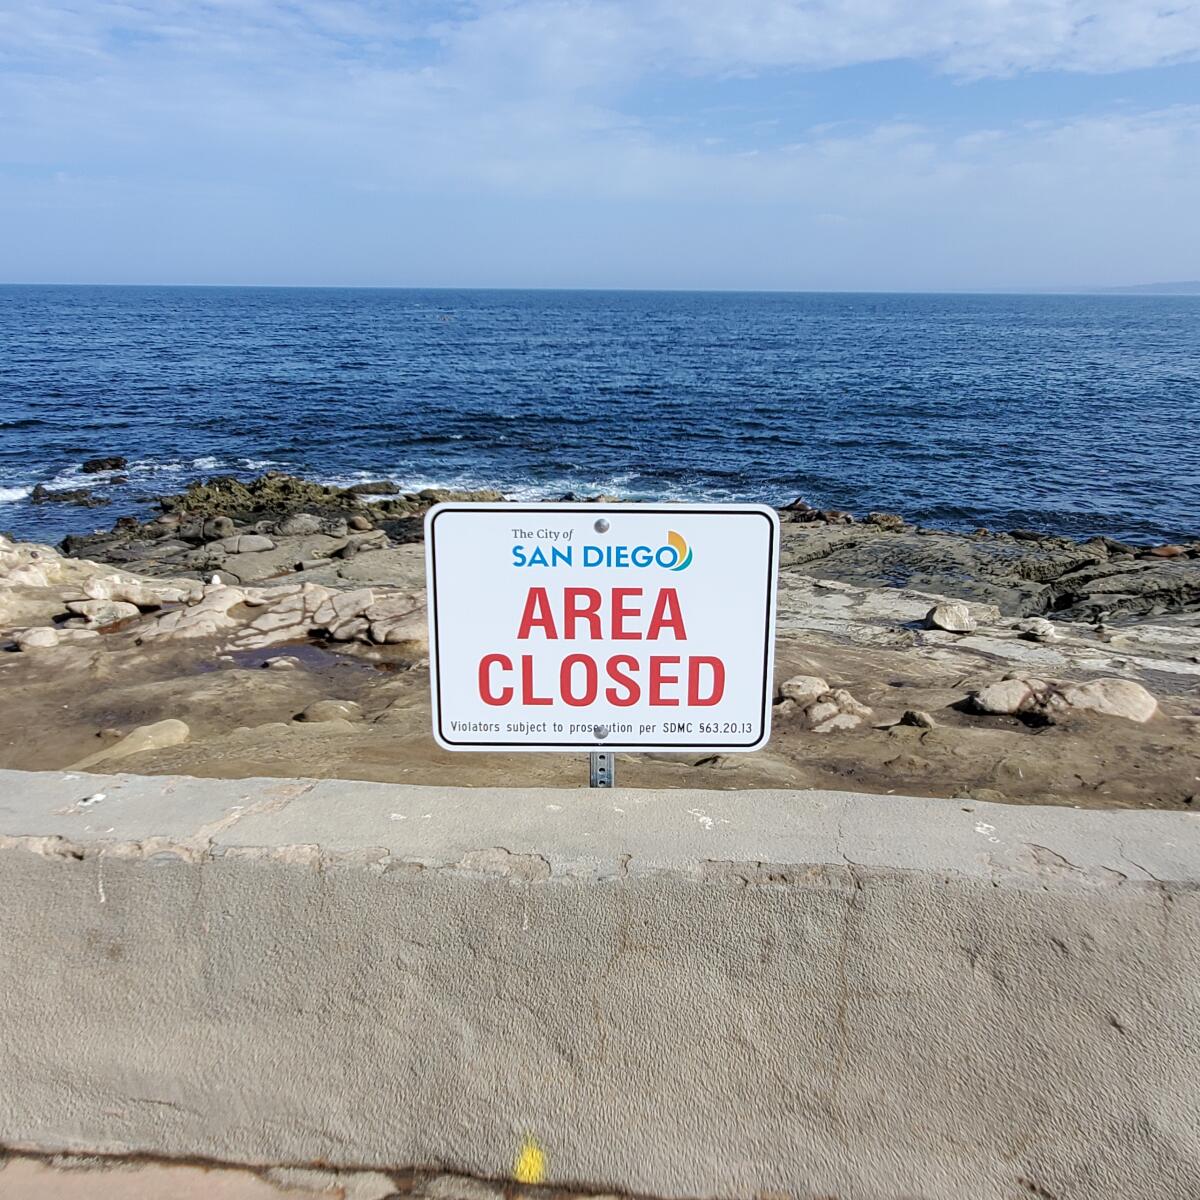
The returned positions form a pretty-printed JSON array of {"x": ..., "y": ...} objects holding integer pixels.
[{"x": 614, "y": 627}]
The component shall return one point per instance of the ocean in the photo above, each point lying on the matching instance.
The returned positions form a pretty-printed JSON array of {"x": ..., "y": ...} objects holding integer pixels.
[{"x": 1072, "y": 414}]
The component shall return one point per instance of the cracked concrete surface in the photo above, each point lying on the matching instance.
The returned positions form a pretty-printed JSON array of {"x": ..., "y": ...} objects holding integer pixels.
[{"x": 817, "y": 994}]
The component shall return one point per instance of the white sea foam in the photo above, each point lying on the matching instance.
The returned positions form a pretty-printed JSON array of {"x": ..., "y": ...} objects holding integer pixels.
[{"x": 9, "y": 495}]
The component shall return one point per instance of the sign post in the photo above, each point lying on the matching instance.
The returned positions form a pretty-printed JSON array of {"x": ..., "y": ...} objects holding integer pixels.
[{"x": 605, "y": 628}]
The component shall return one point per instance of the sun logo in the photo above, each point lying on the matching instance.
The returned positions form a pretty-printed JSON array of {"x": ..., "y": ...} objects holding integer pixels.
[{"x": 683, "y": 552}]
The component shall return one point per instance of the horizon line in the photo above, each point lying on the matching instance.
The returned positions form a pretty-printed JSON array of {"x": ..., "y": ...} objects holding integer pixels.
[{"x": 1074, "y": 290}]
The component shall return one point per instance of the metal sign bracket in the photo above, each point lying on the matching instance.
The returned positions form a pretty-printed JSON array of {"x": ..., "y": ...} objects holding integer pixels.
[{"x": 601, "y": 769}]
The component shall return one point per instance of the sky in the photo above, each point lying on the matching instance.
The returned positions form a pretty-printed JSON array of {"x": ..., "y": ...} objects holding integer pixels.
[{"x": 741, "y": 144}]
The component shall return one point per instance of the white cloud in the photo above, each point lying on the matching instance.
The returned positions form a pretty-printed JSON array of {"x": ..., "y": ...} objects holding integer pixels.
[
  {"x": 577, "y": 43},
  {"x": 238, "y": 108}
]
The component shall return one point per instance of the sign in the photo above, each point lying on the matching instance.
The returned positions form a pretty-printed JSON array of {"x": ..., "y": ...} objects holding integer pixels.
[{"x": 601, "y": 627}]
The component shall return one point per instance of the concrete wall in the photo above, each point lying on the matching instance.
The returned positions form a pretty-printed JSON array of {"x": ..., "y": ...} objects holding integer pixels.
[{"x": 702, "y": 994}]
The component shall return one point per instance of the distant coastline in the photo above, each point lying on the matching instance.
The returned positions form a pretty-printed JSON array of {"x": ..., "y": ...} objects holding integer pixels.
[{"x": 1183, "y": 287}]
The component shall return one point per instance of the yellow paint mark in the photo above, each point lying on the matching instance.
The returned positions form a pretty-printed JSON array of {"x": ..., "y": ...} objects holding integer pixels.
[{"x": 530, "y": 1163}]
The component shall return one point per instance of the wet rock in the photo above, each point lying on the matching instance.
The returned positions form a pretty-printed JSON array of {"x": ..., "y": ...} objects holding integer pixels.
[
  {"x": 803, "y": 689},
  {"x": 382, "y": 487},
  {"x": 954, "y": 618},
  {"x": 81, "y": 496},
  {"x": 331, "y": 710},
  {"x": 443, "y": 495},
  {"x": 250, "y": 501},
  {"x": 94, "y": 466}
]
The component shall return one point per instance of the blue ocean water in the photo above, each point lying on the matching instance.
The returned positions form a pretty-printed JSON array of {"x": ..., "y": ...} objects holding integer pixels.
[{"x": 1071, "y": 414}]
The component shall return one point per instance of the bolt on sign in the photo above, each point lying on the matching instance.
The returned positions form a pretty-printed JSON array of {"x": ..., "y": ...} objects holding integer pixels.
[{"x": 601, "y": 627}]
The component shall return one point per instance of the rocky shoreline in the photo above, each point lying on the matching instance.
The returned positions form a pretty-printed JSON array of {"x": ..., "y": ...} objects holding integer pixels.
[
  {"x": 277, "y": 525},
  {"x": 277, "y": 626}
]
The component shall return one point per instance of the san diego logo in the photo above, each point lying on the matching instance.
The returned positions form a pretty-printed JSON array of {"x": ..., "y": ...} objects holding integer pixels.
[{"x": 675, "y": 555}]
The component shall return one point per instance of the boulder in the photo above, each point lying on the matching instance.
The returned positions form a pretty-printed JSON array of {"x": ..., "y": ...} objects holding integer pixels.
[
  {"x": 146, "y": 737},
  {"x": 352, "y": 629},
  {"x": 299, "y": 524},
  {"x": 821, "y": 712},
  {"x": 803, "y": 689},
  {"x": 103, "y": 612},
  {"x": 952, "y": 617},
  {"x": 1111, "y": 698},
  {"x": 331, "y": 710},
  {"x": 1005, "y": 698},
  {"x": 1037, "y": 629},
  {"x": 216, "y": 528},
  {"x": 42, "y": 638},
  {"x": 1038, "y": 697}
]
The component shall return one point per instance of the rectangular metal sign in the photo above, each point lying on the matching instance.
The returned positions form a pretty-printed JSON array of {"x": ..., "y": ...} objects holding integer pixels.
[{"x": 601, "y": 626}]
